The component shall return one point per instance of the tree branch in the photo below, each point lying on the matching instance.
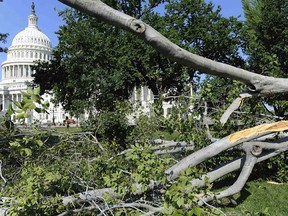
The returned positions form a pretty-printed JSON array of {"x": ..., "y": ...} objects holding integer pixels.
[
  {"x": 258, "y": 84},
  {"x": 236, "y": 164},
  {"x": 234, "y": 106},
  {"x": 89, "y": 208},
  {"x": 224, "y": 144},
  {"x": 137, "y": 206},
  {"x": 250, "y": 161},
  {"x": 89, "y": 195}
]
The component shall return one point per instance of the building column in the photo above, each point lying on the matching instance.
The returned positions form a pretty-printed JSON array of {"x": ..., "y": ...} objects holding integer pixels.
[
  {"x": 21, "y": 71},
  {"x": 11, "y": 72},
  {"x": 142, "y": 93},
  {"x": 21, "y": 97},
  {"x": 29, "y": 71},
  {"x": 6, "y": 73},
  {"x": 149, "y": 98},
  {"x": 12, "y": 99},
  {"x": 6, "y": 102},
  {"x": 17, "y": 71},
  {"x": 135, "y": 94},
  {"x": 3, "y": 73}
]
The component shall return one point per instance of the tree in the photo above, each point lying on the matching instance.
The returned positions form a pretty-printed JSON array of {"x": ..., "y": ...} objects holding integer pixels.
[
  {"x": 118, "y": 70},
  {"x": 3, "y": 40},
  {"x": 266, "y": 33},
  {"x": 257, "y": 85}
]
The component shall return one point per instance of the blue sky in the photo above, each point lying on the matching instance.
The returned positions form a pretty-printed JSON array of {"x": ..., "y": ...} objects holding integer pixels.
[{"x": 14, "y": 13}]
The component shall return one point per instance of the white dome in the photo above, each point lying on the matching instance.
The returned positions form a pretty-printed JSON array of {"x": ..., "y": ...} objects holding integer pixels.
[{"x": 31, "y": 36}]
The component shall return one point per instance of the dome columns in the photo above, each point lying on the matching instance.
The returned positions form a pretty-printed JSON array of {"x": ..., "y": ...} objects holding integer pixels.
[
  {"x": 16, "y": 71},
  {"x": 36, "y": 54},
  {"x": 5, "y": 100}
]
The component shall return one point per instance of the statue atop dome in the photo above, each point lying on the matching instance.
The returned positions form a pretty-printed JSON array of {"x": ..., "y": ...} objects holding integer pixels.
[
  {"x": 32, "y": 19},
  {"x": 33, "y": 8}
]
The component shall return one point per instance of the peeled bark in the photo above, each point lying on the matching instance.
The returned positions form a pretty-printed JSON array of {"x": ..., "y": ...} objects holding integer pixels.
[
  {"x": 236, "y": 164},
  {"x": 224, "y": 144}
]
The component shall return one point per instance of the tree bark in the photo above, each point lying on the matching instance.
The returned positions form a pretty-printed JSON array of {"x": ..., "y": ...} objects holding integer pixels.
[
  {"x": 237, "y": 164},
  {"x": 224, "y": 144},
  {"x": 250, "y": 161}
]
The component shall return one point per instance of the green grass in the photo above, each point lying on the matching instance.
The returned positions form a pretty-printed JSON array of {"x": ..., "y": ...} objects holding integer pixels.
[
  {"x": 68, "y": 130},
  {"x": 261, "y": 199}
]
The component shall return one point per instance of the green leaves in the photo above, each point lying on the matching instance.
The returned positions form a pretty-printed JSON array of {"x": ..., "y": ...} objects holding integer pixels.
[
  {"x": 3, "y": 38},
  {"x": 265, "y": 36},
  {"x": 27, "y": 145},
  {"x": 31, "y": 101}
]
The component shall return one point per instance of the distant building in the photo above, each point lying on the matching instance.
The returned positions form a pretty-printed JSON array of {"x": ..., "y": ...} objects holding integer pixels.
[
  {"x": 27, "y": 46},
  {"x": 144, "y": 98}
]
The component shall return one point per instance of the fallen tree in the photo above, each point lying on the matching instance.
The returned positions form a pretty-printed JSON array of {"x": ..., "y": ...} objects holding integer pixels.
[
  {"x": 249, "y": 141},
  {"x": 257, "y": 86},
  {"x": 133, "y": 188}
]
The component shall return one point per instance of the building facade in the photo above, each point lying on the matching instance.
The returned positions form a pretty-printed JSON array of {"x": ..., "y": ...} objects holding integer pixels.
[{"x": 27, "y": 47}]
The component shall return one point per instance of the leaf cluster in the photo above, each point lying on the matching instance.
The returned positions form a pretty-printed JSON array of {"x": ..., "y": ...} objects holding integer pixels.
[
  {"x": 3, "y": 38},
  {"x": 265, "y": 35}
]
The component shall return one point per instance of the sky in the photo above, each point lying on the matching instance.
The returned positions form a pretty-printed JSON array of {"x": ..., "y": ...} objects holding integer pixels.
[{"x": 14, "y": 17}]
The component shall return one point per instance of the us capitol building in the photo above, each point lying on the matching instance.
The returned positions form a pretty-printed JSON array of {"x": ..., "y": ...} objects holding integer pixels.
[{"x": 27, "y": 46}]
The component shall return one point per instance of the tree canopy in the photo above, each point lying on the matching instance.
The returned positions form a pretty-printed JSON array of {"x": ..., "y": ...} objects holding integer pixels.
[
  {"x": 265, "y": 35},
  {"x": 3, "y": 40},
  {"x": 108, "y": 63}
]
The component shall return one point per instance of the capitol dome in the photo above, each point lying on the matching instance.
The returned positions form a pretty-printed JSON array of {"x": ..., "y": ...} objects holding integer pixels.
[
  {"x": 31, "y": 35},
  {"x": 28, "y": 46}
]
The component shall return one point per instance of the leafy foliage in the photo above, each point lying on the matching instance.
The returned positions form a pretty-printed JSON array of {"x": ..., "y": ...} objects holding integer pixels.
[
  {"x": 3, "y": 38},
  {"x": 265, "y": 36},
  {"x": 51, "y": 167},
  {"x": 108, "y": 63}
]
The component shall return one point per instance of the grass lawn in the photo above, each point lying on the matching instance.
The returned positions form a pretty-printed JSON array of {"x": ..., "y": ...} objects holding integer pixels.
[
  {"x": 261, "y": 199},
  {"x": 68, "y": 130}
]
